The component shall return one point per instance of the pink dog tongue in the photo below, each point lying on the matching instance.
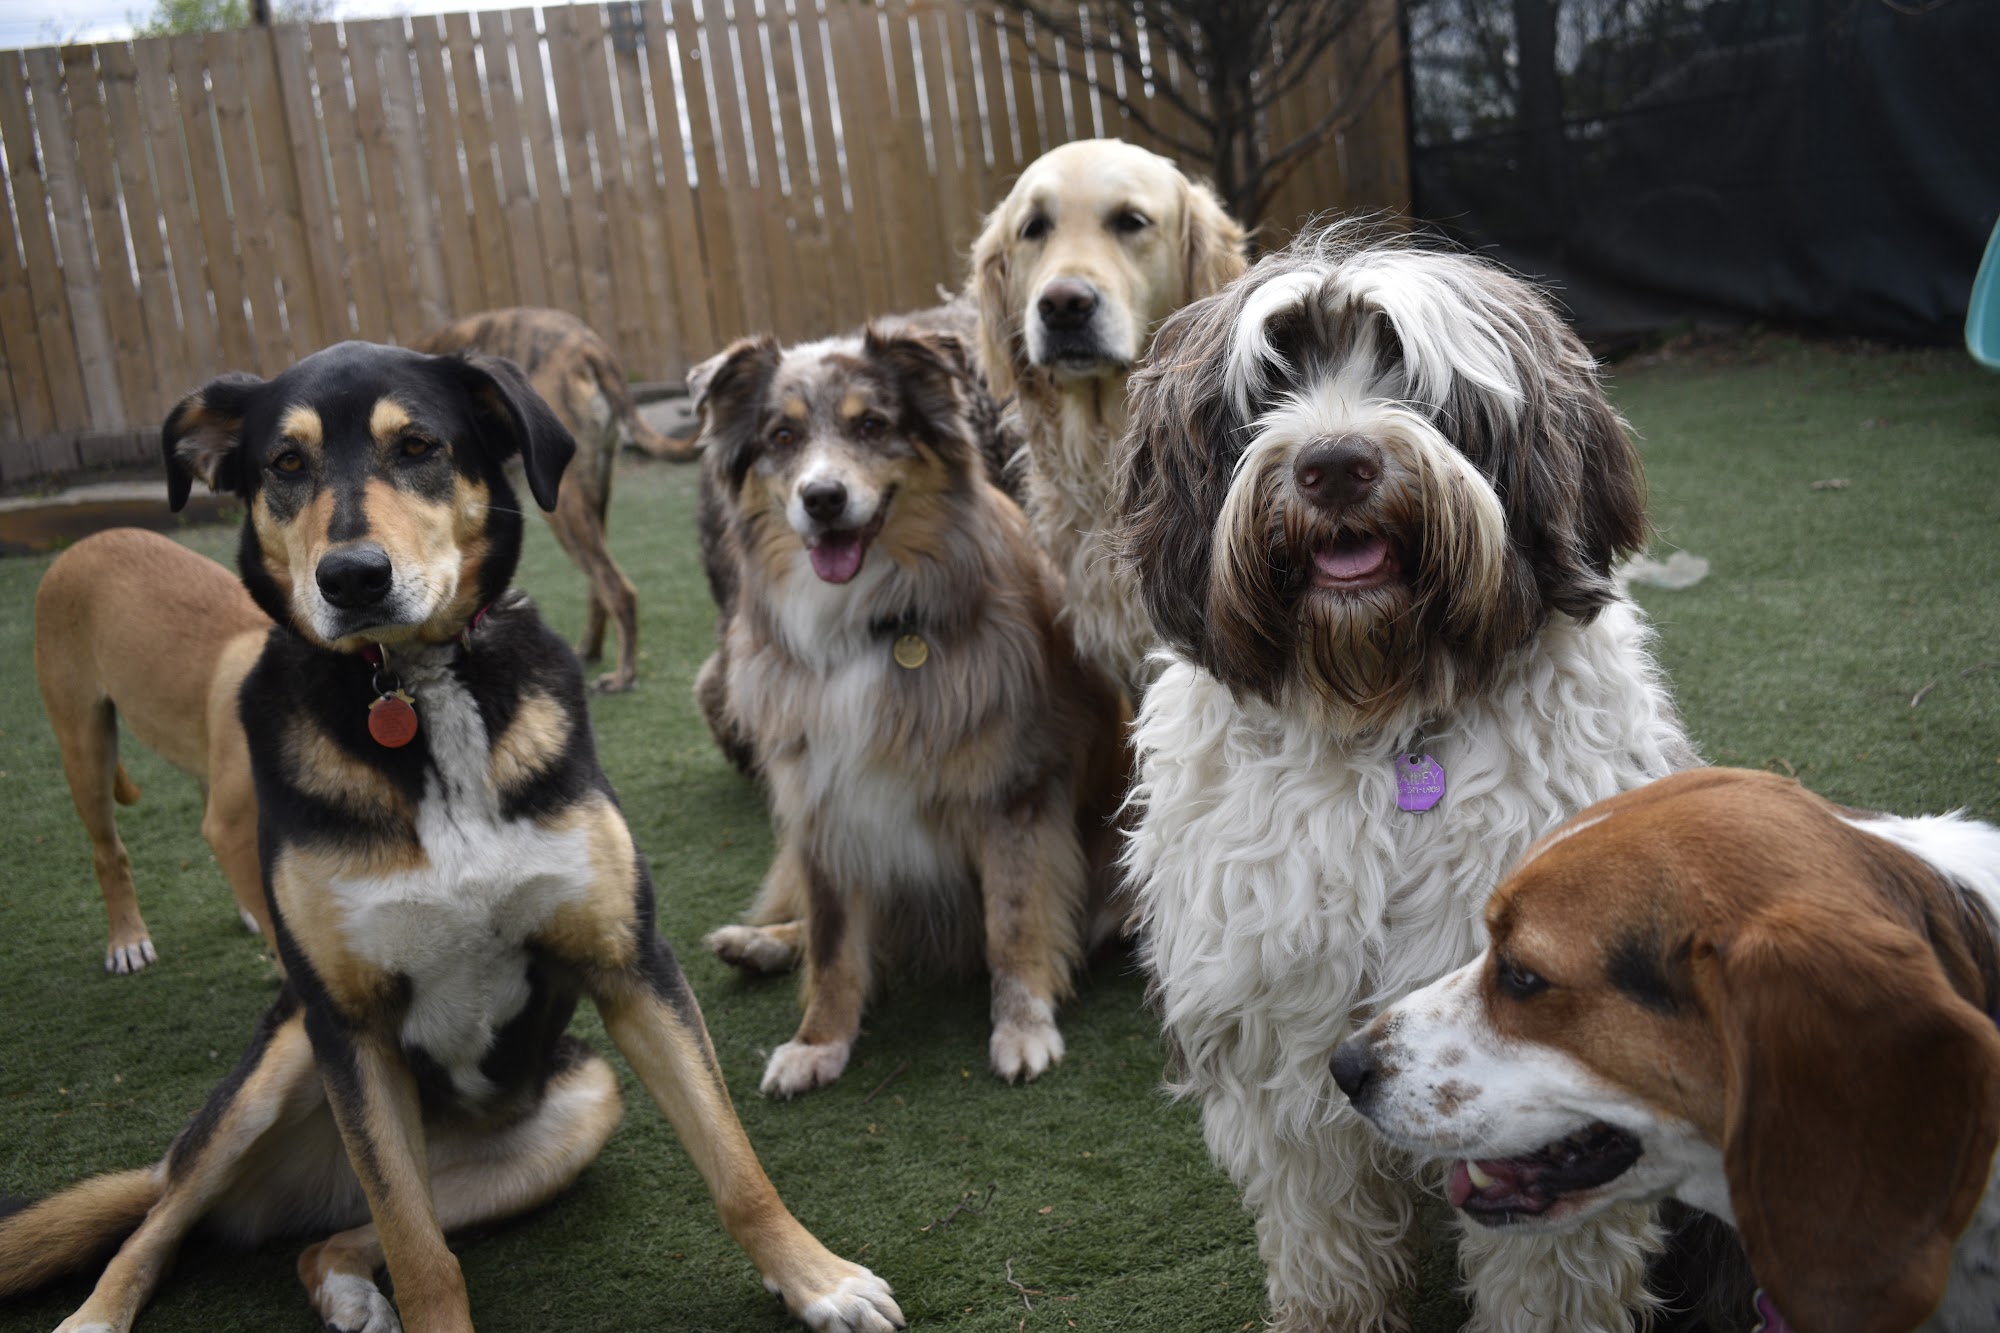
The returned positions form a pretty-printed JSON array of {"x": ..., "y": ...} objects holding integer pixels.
[
  {"x": 837, "y": 558},
  {"x": 1353, "y": 560}
]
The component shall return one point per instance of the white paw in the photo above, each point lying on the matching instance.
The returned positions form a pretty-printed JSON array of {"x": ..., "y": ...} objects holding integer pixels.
[
  {"x": 799, "y": 1066},
  {"x": 752, "y": 948},
  {"x": 123, "y": 959},
  {"x": 858, "y": 1303},
  {"x": 70, "y": 1325},
  {"x": 1023, "y": 1049},
  {"x": 350, "y": 1304},
  {"x": 249, "y": 922}
]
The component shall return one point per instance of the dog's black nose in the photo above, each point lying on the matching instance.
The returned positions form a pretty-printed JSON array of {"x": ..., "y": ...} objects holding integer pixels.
[
  {"x": 1354, "y": 1066},
  {"x": 824, "y": 500},
  {"x": 1067, "y": 304},
  {"x": 355, "y": 576},
  {"x": 1338, "y": 472}
]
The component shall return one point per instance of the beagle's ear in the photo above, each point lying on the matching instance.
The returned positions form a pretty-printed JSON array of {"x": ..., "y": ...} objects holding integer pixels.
[
  {"x": 1863, "y": 1107},
  {"x": 202, "y": 435},
  {"x": 518, "y": 420},
  {"x": 1000, "y": 346},
  {"x": 1212, "y": 249}
]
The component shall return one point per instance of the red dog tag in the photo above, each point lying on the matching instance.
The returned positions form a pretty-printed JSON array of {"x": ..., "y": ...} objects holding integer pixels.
[{"x": 392, "y": 721}]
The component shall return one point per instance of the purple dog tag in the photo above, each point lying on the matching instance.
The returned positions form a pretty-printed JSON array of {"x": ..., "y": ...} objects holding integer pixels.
[{"x": 1419, "y": 783}]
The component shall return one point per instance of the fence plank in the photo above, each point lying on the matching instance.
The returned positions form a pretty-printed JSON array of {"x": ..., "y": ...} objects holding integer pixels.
[
  {"x": 234, "y": 345},
  {"x": 879, "y": 145},
  {"x": 951, "y": 193},
  {"x": 805, "y": 221},
  {"x": 972, "y": 126},
  {"x": 290, "y": 258},
  {"x": 524, "y": 229},
  {"x": 363, "y": 264},
  {"x": 835, "y": 221},
  {"x": 621, "y": 242},
  {"x": 406, "y": 133},
  {"x": 662, "y": 355},
  {"x": 475, "y": 132},
  {"x": 387, "y": 198},
  {"x": 450, "y": 211},
  {"x": 773, "y": 209},
  {"x": 20, "y": 332},
  {"x": 746, "y": 226},
  {"x": 88, "y": 320},
  {"x": 326, "y": 320},
  {"x": 925, "y": 258},
  {"x": 131, "y": 363},
  {"x": 45, "y": 285},
  {"x": 1010, "y": 97},
  {"x": 683, "y": 224},
  {"x": 249, "y": 213},
  {"x": 719, "y": 239},
  {"x": 539, "y": 133},
  {"x": 586, "y": 222}
]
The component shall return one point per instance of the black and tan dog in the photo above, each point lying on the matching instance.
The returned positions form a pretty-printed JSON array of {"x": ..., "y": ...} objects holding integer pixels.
[
  {"x": 943, "y": 769},
  {"x": 447, "y": 870},
  {"x": 577, "y": 374}
]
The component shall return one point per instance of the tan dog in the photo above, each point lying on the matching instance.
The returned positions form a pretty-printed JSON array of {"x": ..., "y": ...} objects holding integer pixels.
[
  {"x": 1096, "y": 244},
  {"x": 1722, "y": 988},
  {"x": 576, "y": 373},
  {"x": 130, "y": 624}
]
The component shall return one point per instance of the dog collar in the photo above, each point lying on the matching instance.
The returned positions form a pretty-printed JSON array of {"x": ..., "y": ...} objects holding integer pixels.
[
  {"x": 392, "y": 717},
  {"x": 909, "y": 648}
]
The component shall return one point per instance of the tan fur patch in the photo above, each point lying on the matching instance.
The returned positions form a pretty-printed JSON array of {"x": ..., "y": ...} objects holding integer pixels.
[
  {"x": 853, "y": 405},
  {"x": 388, "y": 420},
  {"x": 300, "y": 426},
  {"x": 534, "y": 737},
  {"x": 322, "y": 769},
  {"x": 600, "y": 930},
  {"x": 299, "y": 886}
]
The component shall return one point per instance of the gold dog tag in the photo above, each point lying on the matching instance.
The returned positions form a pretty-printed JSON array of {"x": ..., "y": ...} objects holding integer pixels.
[{"x": 911, "y": 651}]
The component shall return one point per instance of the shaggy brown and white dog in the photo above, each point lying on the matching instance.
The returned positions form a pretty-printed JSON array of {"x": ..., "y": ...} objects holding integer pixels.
[
  {"x": 1097, "y": 242},
  {"x": 943, "y": 769},
  {"x": 1373, "y": 503}
]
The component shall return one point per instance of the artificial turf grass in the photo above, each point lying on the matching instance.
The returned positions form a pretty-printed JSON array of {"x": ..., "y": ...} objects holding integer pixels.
[{"x": 1838, "y": 604}]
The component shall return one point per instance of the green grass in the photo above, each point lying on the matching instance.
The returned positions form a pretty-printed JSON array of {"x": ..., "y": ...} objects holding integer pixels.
[{"x": 1826, "y": 611}]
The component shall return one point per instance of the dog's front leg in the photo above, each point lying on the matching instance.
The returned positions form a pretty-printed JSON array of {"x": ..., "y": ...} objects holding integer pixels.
[
  {"x": 652, "y": 1016},
  {"x": 1032, "y": 880},
  {"x": 374, "y": 1102},
  {"x": 840, "y": 946}
]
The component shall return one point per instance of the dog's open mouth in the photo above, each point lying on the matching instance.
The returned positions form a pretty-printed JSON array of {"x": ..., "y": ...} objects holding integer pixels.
[
  {"x": 837, "y": 553},
  {"x": 1355, "y": 561},
  {"x": 1500, "y": 1191}
]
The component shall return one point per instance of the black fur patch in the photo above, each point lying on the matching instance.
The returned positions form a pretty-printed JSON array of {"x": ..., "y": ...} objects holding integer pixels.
[{"x": 1640, "y": 966}]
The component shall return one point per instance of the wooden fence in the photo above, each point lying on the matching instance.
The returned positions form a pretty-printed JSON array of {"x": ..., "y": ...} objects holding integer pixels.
[{"x": 676, "y": 172}]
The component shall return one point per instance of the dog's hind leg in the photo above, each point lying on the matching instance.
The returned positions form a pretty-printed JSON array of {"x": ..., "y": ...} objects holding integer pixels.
[
  {"x": 652, "y": 1015},
  {"x": 477, "y": 1177},
  {"x": 578, "y": 523},
  {"x": 229, "y": 823},
  {"x": 1590, "y": 1279},
  {"x": 1032, "y": 880},
  {"x": 213, "y": 1158},
  {"x": 86, "y": 727},
  {"x": 773, "y": 935}
]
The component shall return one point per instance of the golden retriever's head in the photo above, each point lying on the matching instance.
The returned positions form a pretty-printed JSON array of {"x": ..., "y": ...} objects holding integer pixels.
[{"x": 1097, "y": 242}]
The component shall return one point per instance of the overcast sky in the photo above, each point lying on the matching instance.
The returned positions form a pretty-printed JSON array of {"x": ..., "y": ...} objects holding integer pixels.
[{"x": 38, "y": 23}]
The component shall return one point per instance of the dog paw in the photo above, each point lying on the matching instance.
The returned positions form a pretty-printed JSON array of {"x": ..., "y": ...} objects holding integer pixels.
[
  {"x": 70, "y": 1325},
  {"x": 249, "y": 923},
  {"x": 612, "y": 682},
  {"x": 859, "y": 1302},
  {"x": 752, "y": 948},
  {"x": 350, "y": 1304},
  {"x": 800, "y": 1066},
  {"x": 1024, "y": 1048},
  {"x": 126, "y": 958}
]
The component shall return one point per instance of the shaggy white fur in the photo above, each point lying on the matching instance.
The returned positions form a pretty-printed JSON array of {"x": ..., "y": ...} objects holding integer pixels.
[{"x": 1284, "y": 898}]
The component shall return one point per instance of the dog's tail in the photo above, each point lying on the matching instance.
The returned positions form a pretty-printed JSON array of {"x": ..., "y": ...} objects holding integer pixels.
[
  {"x": 41, "y": 1240},
  {"x": 643, "y": 437},
  {"x": 123, "y": 789}
]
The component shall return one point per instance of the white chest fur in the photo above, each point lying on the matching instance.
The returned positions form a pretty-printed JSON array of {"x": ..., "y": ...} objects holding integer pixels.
[{"x": 457, "y": 926}]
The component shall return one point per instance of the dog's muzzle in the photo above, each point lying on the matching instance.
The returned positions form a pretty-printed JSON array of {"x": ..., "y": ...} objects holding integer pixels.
[
  {"x": 355, "y": 578},
  {"x": 1067, "y": 317}
]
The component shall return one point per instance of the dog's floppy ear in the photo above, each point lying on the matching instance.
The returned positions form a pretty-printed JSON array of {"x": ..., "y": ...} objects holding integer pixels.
[
  {"x": 999, "y": 333},
  {"x": 1212, "y": 248},
  {"x": 202, "y": 434},
  {"x": 929, "y": 370},
  {"x": 508, "y": 407},
  {"x": 1863, "y": 1107},
  {"x": 737, "y": 379}
]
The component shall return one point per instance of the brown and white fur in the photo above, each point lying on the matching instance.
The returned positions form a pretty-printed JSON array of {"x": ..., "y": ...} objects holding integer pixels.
[
  {"x": 577, "y": 374},
  {"x": 1373, "y": 501},
  {"x": 133, "y": 625},
  {"x": 1724, "y": 989},
  {"x": 1097, "y": 242},
  {"x": 441, "y": 902},
  {"x": 937, "y": 811}
]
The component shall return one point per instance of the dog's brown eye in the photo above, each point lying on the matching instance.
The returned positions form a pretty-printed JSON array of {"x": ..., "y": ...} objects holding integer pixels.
[
  {"x": 1517, "y": 982},
  {"x": 784, "y": 437},
  {"x": 870, "y": 426},
  {"x": 1035, "y": 228},
  {"x": 416, "y": 446},
  {"x": 288, "y": 462},
  {"x": 1129, "y": 222}
]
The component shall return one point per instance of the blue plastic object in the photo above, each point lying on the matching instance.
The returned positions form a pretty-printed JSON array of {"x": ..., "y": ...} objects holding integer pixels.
[{"x": 1982, "y": 319}]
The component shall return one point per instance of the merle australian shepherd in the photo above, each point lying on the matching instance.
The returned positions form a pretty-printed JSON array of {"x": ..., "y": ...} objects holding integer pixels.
[{"x": 943, "y": 770}]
